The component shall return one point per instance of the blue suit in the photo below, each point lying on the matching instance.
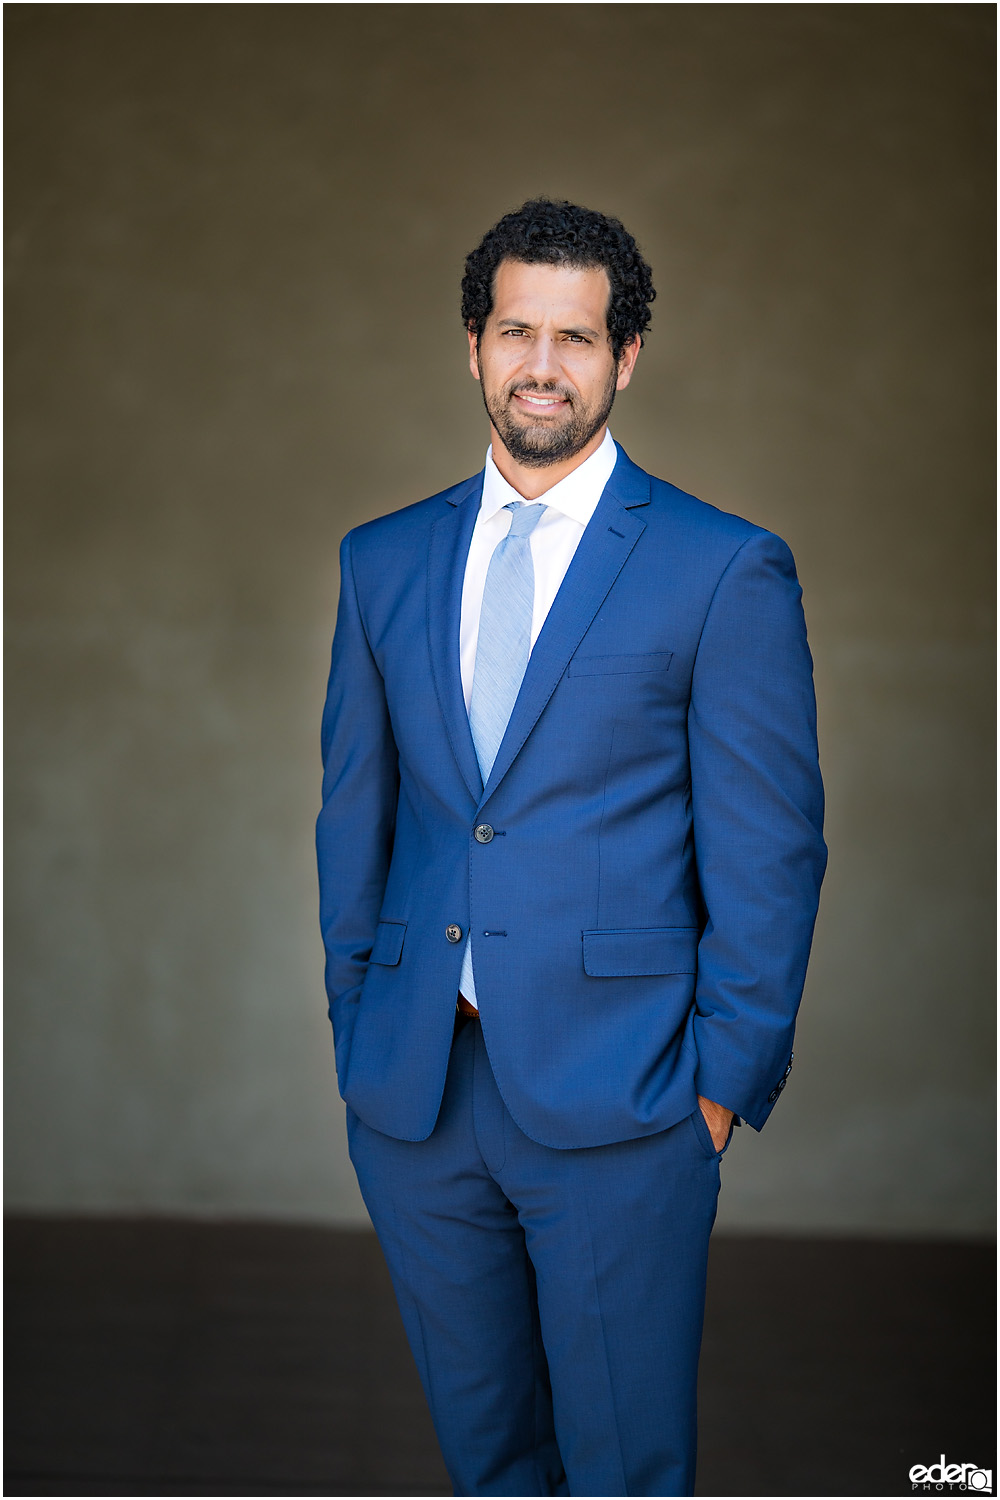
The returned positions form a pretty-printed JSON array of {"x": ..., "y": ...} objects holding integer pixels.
[{"x": 641, "y": 893}]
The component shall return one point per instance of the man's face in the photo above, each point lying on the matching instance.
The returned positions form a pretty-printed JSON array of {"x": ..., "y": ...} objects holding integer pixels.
[{"x": 544, "y": 362}]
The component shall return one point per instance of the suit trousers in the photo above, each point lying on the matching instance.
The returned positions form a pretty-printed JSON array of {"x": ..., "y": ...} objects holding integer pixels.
[{"x": 553, "y": 1299}]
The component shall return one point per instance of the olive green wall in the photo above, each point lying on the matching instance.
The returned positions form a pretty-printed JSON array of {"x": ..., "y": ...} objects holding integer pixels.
[{"x": 235, "y": 240}]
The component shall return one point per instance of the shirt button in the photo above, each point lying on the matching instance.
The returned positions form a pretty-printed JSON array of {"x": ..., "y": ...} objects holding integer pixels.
[
  {"x": 483, "y": 833},
  {"x": 453, "y": 933}
]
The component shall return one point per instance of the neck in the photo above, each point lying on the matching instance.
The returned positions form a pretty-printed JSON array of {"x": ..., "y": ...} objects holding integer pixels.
[{"x": 531, "y": 483}]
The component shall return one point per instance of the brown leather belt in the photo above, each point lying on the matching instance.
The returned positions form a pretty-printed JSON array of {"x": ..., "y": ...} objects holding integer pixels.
[{"x": 464, "y": 1008}]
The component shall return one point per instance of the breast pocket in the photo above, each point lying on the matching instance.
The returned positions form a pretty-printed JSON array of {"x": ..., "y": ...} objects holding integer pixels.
[{"x": 599, "y": 666}]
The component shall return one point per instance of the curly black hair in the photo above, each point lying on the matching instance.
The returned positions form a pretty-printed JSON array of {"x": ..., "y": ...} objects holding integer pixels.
[{"x": 548, "y": 232}]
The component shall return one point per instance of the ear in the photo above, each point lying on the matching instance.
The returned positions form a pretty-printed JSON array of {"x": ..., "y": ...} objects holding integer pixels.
[
  {"x": 626, "y": 361},
  {"x": 473, "y": 353}
]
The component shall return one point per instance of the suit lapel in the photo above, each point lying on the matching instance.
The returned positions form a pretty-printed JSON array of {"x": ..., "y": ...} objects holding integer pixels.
[
  {"x": 609, "y": 537},
  {"x": 449, "y": 550}
]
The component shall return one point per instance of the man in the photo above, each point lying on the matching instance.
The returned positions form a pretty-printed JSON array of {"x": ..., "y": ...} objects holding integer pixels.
[{"x": 570, "y": 855}]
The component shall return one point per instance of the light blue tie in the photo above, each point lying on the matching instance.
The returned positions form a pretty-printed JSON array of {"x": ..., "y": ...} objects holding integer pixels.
[{"x": 502, "y": 652}]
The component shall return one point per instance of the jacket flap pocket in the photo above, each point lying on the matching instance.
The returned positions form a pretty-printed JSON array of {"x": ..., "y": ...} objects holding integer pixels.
[
  {"x": 388, "y": 944},
  {"x": 592, "y": 666},
  {"x": 616, "y": 952}
]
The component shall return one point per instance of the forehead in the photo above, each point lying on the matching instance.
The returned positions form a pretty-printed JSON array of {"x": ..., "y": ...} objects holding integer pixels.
[{"x": 567, "y": 295}]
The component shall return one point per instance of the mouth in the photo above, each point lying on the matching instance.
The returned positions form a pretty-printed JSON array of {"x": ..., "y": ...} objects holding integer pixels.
[{"x": 544, "y": 406}]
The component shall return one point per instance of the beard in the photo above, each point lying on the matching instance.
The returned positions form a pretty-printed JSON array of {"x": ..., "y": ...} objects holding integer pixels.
[{"x": 536, "y": 444}]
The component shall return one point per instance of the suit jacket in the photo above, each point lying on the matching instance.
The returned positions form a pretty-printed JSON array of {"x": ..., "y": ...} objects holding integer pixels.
[{"x": 644, "y": 883}]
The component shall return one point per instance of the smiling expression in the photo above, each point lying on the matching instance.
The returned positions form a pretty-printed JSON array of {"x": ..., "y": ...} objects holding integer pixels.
[{"x": 544, "y": 362}]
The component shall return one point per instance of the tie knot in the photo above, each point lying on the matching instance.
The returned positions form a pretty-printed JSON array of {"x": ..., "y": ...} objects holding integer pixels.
[{"x": 524, "y": 518}]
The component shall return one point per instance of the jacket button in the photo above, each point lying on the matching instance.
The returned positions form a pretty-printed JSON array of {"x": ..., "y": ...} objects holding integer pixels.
[
  {"x": 483, "y": 833},
  {"x": 772, "y": 1096},
  {"x": 453, "y": 933}
]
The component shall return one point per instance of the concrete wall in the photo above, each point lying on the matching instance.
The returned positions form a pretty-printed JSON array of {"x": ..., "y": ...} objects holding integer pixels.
[{"x": 236, "y": 237}]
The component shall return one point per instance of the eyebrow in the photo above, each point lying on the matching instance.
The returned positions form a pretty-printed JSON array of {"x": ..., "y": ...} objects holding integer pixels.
[{"x": 523, "y": 323}]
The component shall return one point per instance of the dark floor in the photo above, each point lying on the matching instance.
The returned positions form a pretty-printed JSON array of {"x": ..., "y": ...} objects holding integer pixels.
[{"x": 162, "y": 1357}]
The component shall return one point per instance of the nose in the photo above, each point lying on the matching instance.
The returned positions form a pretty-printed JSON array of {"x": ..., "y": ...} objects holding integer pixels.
[{"x": 542, "y": 364}]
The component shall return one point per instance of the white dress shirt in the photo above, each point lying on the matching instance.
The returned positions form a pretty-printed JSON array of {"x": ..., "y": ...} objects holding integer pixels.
[{"x": 570, "y": 505}]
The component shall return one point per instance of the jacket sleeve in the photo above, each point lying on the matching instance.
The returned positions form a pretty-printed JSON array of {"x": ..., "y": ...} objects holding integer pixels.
[
  {"x": 356, "y": 825},
  {"x": 757, "y": 805}
]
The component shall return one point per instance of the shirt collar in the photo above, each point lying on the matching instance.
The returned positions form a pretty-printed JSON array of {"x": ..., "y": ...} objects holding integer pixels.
[{"x": 575, "y": 496}]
